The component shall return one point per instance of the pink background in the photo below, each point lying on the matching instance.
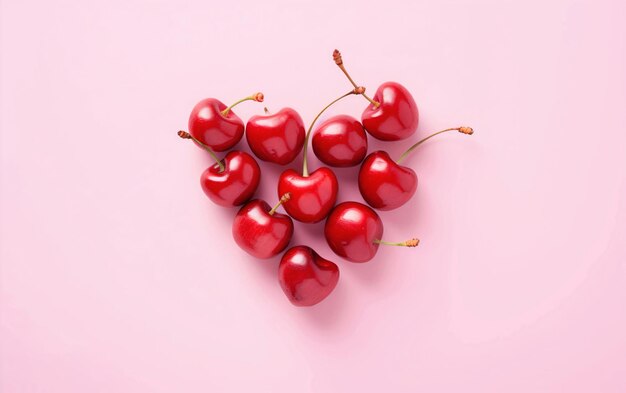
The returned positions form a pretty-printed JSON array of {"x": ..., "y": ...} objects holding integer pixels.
[{"x": 118, "y": 274}]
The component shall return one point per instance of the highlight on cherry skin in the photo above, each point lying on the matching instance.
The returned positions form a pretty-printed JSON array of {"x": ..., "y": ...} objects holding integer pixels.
[
  {"x": 276, "y": 137},
  {"x": 260, "y": 231},
  {"x": 232, "y": 180},
  {"x": 387, "y": 185},
  {"x": 313, "y": 194},
  {"x": 354, "y": 231},
  {"x": 215, "y": 125},
  {"x": 305, "y": 277},
  {"x": 391, "y": 114},
  {"x": 340, "y": 141}
]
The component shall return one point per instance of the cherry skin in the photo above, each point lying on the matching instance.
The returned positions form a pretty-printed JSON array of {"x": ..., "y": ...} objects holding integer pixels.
[
  {"x": 234, "y": 185},
  {"x": 340, "y": 141},
  {"x": 312, "y": 197},
  {"x": 384, "y": 184},
  {"x": 276, "y": 137},
  {"x": 208, "y": 125},
  {"x": 395, "y": 118},
  {"x": 353, "y": 230},
  {"x": 260, "y": 231},
  {"x": 305, "y": 277}
]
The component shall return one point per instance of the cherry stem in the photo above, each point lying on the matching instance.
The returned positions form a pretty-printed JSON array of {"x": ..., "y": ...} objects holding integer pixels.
[
  {"x": 283, "y": 199},
  {"x": 267, "y": 111},
  {"x": 305, "y": 167},
  {"x": 339, "y": 61},
  {"x": 258, "y": 97},
  {"x": 409, "y": 243},
  {"x": 462, "y": 130},
  {"x": 186, "y": 135}
]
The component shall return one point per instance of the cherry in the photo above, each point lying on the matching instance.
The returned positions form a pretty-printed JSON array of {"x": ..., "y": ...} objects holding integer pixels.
[
  {"x": 230, "y": 181},
  {"x": 217, "y": 126},
  {"x": 392, "y": 114},
  {"x": 312, "y": 195},
  {"x": 260, "y": 231},
  {"x": 276, "y": 137},
  {"x": 340, "y": 141},
  {"x": 386, "y": 185},
  {"x": 306, "y": 278},
  {"x": 354, "y": 232}
]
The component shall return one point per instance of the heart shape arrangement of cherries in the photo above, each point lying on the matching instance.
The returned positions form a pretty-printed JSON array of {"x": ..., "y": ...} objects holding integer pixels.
[{"x": 353, "y": 230}]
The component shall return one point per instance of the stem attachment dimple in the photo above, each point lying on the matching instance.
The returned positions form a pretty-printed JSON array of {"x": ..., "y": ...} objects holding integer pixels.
[
  {"x": 258, "y": 97},
  {"x": 462, "y": 130},
  {"x": 186, "y": 135},
  {"x": 282, "y": 200},
  {"x": 305, "y": 167},
  {"x": 408, "y": 243},
  {"x": 339, "y": 61}
]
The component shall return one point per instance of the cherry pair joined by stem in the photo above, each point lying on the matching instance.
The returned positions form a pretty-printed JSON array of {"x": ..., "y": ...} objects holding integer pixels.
[
  {"x": 231, "y": 181},
  {"x": 313, "y": 194},
  {"x": 387, "y": 185},
  {"x": 213, "y": 124},
  {"x": 391, "y": 114},
  {"x": 354, "y": 231}
]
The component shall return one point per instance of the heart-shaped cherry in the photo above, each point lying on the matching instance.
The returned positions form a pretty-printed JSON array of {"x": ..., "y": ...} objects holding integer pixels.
[
  {"x": 392, "y": 114},
  {"x": 354, "y": 231},
  {"x": 217, "y": 126},
  {"x": 312, "y": 195},
  {"x": 306, "y": 278},
  {"x": 231, "y": 181},
  {"x": 340, "y": 141},
  {"x": 387, "y": 185},
  {"x": 260, "y": 231},
  {"x": 276, "y": 137}
]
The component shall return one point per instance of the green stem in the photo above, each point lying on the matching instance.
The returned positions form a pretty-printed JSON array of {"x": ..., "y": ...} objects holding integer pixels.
[
  {"x": 283, "y": 199},
  {"x": 305, "y": 168},
  {"x": 408, "y": 243},
  {"x": 186, "y": 135},
  {"x": 255, "y": 97},
  {"x": 463, "y": 130}
]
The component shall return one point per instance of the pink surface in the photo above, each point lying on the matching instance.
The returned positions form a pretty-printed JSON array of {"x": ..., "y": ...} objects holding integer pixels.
[{"x": 118, "y": 274}]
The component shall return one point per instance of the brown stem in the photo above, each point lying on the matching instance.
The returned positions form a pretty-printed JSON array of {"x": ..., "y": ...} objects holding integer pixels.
[
  {"x": 339, "y": 61},
  {"x": 462, "y": 130},
  {"x": 409, "y": 243},
  {"x": 282, "y": 200},
  {"x": 258, "y": 97},
  {"x": 186, "y": 135}
]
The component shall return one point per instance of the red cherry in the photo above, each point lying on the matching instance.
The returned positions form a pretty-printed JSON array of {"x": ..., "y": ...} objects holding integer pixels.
[
  {"x": 217, "y": 126},
  {"x": 354, "y": 231},
  {"x": 306, "y": 278},
  {"x": 383, "y": 183},
  {"x": 392, "y": 114},
  {"x": 260, "y": 231},
  {"x": 386, "y": 185},
  {"x": 231, "y": 181},
  {"x": 277, "y": 137},
  {"x": 340, "y": 141},
  {"x": 395, "y": 117},
  {"x": 236, "y": 183},
  {"x": 312, "y": 197}
]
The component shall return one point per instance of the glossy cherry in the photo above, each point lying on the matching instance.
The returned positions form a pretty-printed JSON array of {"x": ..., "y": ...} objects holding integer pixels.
[
  {"x": 340, "y": 141},
  {"x": 215, "y": 125},
  {"x": 387, "y": 185},
  {"x": 312, "y": 195},
  {"x": 354, "y": 231},
  {"x": 392, "y": 113},
  {"x": 276, "y": 137},
  {"x": 305, "y": 277},
  {"x": 231, "y": 181},
  {"x": 260, "y": 231}
]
